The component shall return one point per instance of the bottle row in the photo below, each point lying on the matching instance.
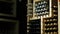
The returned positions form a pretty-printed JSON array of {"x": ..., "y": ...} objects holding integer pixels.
[
  {"x": 47, "y": 20},
  {"x": 42, "y": 13},
  {"x": 46, "y": 15},
  {"x": 41, "y": 9},
  {"x": 54, "y": 28},
  {"x": 55, "y": 6},
  {"x": 42, "y": 6},
  {"x": 51, "y": 24},
  {"x": 55, "y": 10},
  {"x": 41, "y": 3},
  {"x": 33, "y": 30}
]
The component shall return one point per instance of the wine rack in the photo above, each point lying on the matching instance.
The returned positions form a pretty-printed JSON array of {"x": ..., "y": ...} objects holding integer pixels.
[
  {"x": 55, "y": 8},
  {"x": 51, "y": 25},
  {"x": 34, "y": 27},
  {"x": 42, "y": 8},
  {"x": 30, "y": 8}
]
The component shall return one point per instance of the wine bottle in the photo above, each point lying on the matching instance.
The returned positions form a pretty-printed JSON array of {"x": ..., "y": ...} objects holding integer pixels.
[
  {"x": 44, "y": 28},
  {"x": 37, "y": 7},
  {"x": 47, "y": 15},
  {"x": 48, "y": 20},
  {"x": 51, "y": 24},
  {"x": 55, "y": 15},
  {"x": 46, "y": 12},
  {"x": 54, "y": 19},
  {"x": 55, "y": 6},
  {"x": 50, "y": 28},
  {"x": 44, "y": 20},
  {"x": 42, "y": 12},
  {"x": 44, "y": 2},
  {"x": 47, "y": 28},
  {"x": 41, "y": 9},
  {"x": 54, "y": 28},
  {"x": 45, "y": 9},
  {"x": 35, "y": 4},
  {"x": 27, "y": 30},
  {"x": 48, "y": 33},
  {"x": 55, "y": 23},
  {"x": 45, "y": 24},
  {"x": 28, "y": 24},
  {"x": 40, "y": 6},
  {"x": 51, "y": 32},
  {"x": 55, "y": 32},
  {"x": 28, "y": 27},
  {"x": 54, "y": 11},
  {"x": 43, "y": 6},
  {"x": 41, "y": 2}
]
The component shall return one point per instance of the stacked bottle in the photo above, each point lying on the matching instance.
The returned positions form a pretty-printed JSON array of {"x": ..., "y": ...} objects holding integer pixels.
[
  {"x": 42, "y": 8},
  {"x": 34, "y": 27}
]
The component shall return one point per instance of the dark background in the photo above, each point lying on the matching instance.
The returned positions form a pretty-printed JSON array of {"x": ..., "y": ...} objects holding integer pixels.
[{"x": 22, "y": 12}]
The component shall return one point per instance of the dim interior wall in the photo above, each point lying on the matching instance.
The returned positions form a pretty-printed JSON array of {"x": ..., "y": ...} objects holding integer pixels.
[
  {"x": 58, "y": 17},
  {"x": 17, "y": 28},
  {"x": 14, "y": 8}
]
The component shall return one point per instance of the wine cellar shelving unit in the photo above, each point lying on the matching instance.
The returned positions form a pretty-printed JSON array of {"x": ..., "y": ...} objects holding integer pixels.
[
  {"x": 47, "y": 10},
  {"x": 50, "y": 25}
]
